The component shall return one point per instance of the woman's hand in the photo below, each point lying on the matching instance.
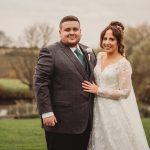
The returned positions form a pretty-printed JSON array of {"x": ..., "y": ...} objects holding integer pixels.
[{"x": 90, "y": 87}]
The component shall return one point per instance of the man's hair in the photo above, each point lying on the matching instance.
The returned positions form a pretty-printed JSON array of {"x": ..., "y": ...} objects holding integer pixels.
[{"x": 68, "y": 18}]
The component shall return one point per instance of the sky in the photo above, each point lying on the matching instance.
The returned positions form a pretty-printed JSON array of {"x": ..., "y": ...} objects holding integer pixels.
[{"x": 94, "y": 15}]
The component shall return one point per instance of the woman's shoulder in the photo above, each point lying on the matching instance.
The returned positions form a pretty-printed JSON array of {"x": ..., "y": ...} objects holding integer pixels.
[
  {"x": 125, "y": 64},
  {"x": 100, "y": 55},
  {"x": 124, "y": 60}
]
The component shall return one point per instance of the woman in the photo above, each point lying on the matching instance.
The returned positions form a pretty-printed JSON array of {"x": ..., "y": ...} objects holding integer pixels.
[{"x": 116, "y": 121}]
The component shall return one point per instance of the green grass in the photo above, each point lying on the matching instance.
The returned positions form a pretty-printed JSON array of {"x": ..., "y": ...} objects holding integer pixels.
[
  {"x": 26, "y": 134},
  {"x": 13, "y": 84},
  {"x": 146, "y": 124}
]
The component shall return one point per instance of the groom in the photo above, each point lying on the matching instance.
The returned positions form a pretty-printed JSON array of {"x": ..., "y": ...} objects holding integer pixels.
[{"x": 66, "y": 110}]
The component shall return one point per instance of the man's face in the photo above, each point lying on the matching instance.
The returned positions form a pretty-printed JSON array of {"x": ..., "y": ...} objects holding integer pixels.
[{"x": 70, "y": 33}]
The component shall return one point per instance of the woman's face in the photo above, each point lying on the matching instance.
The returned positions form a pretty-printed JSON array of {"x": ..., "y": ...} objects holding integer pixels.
[{"x": 109, "y": 42}]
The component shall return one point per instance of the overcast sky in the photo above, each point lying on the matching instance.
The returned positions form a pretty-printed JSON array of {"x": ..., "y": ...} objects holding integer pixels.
[{"x": 94, "y": 15}]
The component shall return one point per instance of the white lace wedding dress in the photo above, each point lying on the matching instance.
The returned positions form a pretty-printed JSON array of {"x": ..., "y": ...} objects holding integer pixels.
[{"x": 116, "y": 123}]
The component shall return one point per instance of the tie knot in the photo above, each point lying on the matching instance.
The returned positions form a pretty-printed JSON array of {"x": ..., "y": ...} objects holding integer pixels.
[{"x": 77, "y": 51}]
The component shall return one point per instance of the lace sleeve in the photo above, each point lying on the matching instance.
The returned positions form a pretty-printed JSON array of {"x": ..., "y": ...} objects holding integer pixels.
[{"x": 124, "y": 81}]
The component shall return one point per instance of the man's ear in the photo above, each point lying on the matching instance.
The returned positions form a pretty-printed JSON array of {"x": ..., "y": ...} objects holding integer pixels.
[{"x": 59, "y": 33}]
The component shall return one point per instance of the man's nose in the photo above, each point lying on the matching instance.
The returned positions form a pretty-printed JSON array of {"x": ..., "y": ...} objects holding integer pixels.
[{"x": 71, "y": 31}]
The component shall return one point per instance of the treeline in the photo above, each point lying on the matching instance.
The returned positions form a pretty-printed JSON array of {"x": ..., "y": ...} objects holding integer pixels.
[
  {"x": 137, "y": 42},
  {"x": 21, "y": 61}
]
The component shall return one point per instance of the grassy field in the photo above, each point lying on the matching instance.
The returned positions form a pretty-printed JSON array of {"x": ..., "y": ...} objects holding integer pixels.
[
  {"x": 27, "y": 135},
  {"x": 21, "y": 135},
  {"x": 146, "y": 124}
]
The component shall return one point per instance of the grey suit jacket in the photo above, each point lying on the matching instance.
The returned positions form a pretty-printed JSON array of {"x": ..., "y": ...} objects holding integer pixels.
[{"x": 57, "y": 84}]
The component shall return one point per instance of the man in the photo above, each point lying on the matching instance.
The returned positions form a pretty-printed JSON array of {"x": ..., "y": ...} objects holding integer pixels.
[{"x": 65, "y": 108}]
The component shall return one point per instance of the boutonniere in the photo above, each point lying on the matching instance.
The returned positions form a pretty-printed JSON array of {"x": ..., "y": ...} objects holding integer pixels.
[{"x": 89, "y": 51}]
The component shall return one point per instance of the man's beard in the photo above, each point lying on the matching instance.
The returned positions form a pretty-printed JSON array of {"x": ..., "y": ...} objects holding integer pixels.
[{"x": 72, "y": 44}]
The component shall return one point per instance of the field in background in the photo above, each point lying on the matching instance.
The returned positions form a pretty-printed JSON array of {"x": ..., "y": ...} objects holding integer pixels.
[
  {"x": 26, "y": 134},
  {"x": 23, "y": 134}
]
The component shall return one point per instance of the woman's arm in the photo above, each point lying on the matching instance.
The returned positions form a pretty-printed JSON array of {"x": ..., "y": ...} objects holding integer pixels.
[{"x": 122, "y": 92}]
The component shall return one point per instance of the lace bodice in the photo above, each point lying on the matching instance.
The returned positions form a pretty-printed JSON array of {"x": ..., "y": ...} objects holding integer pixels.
[
  {"x": 116, "y": 120},
  {"x": 115, "y": 80}
]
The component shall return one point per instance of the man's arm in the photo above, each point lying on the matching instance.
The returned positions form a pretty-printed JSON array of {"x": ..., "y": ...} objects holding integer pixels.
[{"x": 42, "y": 81}]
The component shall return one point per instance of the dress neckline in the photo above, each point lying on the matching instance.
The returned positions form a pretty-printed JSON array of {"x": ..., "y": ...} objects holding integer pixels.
[{"x": 100, "y": 65}]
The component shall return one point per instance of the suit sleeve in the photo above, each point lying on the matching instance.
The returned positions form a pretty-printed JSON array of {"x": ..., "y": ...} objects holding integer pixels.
[{"x": 42, "y": 80}]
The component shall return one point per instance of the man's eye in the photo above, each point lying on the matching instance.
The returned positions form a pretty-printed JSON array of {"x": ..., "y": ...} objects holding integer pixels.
[
  {"x": 67, "y": 29},
  {"x": 75, "y": 29}
]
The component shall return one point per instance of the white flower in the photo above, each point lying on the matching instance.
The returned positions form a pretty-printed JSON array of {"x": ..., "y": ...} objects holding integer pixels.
[{"x": 89, "y": 50}]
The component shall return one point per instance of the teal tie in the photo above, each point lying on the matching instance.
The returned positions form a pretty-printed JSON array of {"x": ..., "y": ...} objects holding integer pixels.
[{"x": 80, "y": 56}]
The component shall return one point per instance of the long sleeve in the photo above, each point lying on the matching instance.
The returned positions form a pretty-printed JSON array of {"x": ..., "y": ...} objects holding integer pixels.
[
  {"x": 124, "y": 83},
  {"x": 42, "y": 81}
]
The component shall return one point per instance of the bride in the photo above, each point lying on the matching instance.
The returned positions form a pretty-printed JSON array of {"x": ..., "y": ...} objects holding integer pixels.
[{"x": 116, "y": 121}]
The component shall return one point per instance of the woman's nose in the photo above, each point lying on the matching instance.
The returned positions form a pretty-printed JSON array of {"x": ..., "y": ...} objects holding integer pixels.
[{"x": 107, "y": 42}]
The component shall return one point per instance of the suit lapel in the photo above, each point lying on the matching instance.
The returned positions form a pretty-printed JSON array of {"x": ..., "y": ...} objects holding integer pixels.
[
  {"x": 74, "y": 60},
  {"x": 89, "y": 66}
]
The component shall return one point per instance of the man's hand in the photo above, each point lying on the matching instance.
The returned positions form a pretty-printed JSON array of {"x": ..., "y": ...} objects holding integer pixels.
[{"x": 50, "y": 121}]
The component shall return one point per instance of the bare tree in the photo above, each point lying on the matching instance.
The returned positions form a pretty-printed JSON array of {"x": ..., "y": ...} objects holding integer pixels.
[
  {"x": 5, "y": 41},
  {"x": 36, "y": 36},
  {"x": 23, "y": 60}
]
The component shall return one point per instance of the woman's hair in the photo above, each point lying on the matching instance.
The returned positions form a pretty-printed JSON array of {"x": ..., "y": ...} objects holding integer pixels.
[
  {"x": 117, "y": 33},
  {"x": 117, "y": 24}
]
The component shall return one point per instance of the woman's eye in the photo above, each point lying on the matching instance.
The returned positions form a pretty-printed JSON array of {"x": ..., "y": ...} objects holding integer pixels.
[
  {"x": 105, "y": 39},
  {"x": 111, "y": 39}
]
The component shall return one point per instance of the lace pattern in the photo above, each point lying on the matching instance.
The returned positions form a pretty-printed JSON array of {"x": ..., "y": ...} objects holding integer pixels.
[
  {"x": 123, "y": 75},
  {"x": 116, "y": 121}
]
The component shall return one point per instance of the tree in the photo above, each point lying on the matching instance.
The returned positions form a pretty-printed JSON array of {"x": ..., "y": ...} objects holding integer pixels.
[
  {"x": 23, "y": 60},
  {"x": 5, "y": 41},
  {"x": 138, "y": 52},
  {"x": 36, "y": 36}
]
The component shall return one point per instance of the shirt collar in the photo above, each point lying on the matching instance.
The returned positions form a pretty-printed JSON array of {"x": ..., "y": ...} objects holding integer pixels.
[{"x": 74, "y": 48}]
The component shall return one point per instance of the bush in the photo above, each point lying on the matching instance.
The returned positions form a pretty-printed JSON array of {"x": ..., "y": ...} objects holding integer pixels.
[
  {"x": 144, "y": 110},
  {"x": 12, "y": 90}
]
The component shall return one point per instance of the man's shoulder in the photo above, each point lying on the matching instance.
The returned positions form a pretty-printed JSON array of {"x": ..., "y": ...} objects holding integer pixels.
[
  {"x": 83, "y": 46},
  {"x": 53, "y": 46}
]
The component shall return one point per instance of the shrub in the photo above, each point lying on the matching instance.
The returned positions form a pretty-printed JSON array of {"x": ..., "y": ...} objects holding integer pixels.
[{"x": 12, "y": 90}]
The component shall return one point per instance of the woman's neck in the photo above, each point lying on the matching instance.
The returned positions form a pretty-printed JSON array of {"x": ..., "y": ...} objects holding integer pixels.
[{"x": 113, "y": 55}]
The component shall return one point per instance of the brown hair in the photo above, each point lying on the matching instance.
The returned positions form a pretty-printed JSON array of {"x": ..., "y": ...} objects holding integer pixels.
[
  {"x": 68, "y": 18},
  {"x": 117, "y": 34},
  {"x": 117, "y": 23}
]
